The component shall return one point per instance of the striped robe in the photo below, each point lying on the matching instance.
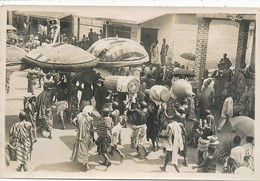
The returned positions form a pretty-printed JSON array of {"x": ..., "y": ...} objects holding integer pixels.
[
  {"x": 104, "y": 131},
  {"x": 20, "y": 137}
]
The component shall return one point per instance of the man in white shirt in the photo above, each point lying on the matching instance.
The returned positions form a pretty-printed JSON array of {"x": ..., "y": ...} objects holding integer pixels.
[
  {"x": 238, "y": 152},
  {"x": 227, "y": 112}
]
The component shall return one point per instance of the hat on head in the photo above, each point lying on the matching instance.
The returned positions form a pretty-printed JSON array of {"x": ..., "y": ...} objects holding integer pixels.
[
  {"x": 87, "y": 110},
  {"x": 106, "y": 109}
]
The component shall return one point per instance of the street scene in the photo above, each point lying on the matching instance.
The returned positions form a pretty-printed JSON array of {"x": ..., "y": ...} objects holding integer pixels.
[{"x": 133, "y": 96}]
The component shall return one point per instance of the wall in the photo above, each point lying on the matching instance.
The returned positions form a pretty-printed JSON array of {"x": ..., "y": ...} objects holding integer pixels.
[
  {"x": 87, "y": 23},
  {"x": 180, "y": 31},
  {"x": 223, "y": 38},
  {"x": 165, "y": 24}
]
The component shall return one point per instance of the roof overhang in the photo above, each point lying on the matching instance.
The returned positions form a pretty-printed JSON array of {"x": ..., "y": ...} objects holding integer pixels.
[
  {"x": 43, "y": 15},
  {"x": 125, "y": 15},
  {"x": 223, "y": 16}
]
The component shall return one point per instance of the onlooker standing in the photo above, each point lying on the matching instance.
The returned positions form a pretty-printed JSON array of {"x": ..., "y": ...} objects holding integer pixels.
[
  {"x": 225, "y": 60},
  {"x": 164, "y": 52},
  {"x": 155, "y": 54},
  {"x": 90, "y": 36},
  {"x": 227, "y": 112}
]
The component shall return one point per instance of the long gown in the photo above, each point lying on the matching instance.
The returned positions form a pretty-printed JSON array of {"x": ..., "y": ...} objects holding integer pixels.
[{"x": 83, "y": 139}]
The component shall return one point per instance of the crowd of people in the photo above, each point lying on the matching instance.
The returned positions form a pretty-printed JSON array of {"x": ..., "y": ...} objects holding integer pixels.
[
  {"x": 167, "y": 125},
  {"x": 171, "y": 126},
  {"x": 29, "y": 41}
]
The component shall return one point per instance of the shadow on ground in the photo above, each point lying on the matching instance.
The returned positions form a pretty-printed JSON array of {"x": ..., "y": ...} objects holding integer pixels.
[{"x": 60, "y": 167}]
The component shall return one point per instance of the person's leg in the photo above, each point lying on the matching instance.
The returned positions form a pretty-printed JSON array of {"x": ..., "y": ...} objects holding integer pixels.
[
  {"x": 85, "y": 167},
  {"x": 112, "y": 150},
  {"x": 119, "y": 138},
  {"x": 25, "y": 168},
  {"x": 33, "y": 133},
  {"x": 167, "y": 159},
  {"x": 120, "y": 153},
  {"x": 62, "y": 119},
  {"x": 138, "y": 151},
  {"x": 146, "y": 152},
  {"x": 221, "y": 123},
  {"x": 107, "y": 160},
  {"x": 50, "y": 136},
  {"x": 19, "y": 168},
  {"x": 157, "y": 145},
  {"x": 176, "y": 168},
  {"x": 184, "y": 154},
  {"x": 200, "y": 157},
  {"x": 132, "y": 141},
  {"x": 153, "y": 145}
]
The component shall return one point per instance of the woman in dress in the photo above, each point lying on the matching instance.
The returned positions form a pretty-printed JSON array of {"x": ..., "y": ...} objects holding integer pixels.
[{"x": 84, "y": 124}]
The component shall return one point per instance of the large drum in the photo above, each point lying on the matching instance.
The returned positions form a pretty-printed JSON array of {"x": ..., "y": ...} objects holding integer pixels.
[
  {"x": 159, "y": 93},
  {"x": 127, "y": 84}
]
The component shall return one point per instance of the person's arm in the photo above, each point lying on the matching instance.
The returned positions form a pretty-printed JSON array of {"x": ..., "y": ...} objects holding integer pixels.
[
  {"x": 74, "y": 122},
  {"x": 80, "y": 87}
]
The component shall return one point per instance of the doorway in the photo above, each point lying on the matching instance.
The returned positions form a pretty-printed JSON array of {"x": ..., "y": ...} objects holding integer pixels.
[{"x": 148, "y": 37}]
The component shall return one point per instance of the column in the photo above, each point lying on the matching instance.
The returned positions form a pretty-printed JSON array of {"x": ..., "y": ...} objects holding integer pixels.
[
  {"x": 252, "y": 62},
  {"x": 10, "y": 18},
  {"x": 201, "y": 49},
  {"x": 78, "y": 29},
  {"x": 241, "y": 45}
]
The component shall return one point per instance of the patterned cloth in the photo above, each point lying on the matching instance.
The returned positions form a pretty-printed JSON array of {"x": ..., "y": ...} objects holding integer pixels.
[
  {"x": 83, "y": 140},
  {"x": 249, "y": 153},
  {"x": 175, "y": 141},
  {"x": 20, "y": 137},
  {"x": 73, "y": 102},
  {"x": 138, "y": 136},
  {"x": 61, "y": 106},
  {"x": 208, "y": 166},
  {"x": 104, "y": 131},
  {"x": 44, "y": 114}
]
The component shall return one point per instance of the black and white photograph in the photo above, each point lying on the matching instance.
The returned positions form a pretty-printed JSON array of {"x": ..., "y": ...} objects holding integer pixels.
[{"x": 129, "y": 92}]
